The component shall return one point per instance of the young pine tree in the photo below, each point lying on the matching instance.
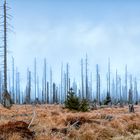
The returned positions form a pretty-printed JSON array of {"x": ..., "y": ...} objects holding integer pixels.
[{"x": 72, "y": 102}]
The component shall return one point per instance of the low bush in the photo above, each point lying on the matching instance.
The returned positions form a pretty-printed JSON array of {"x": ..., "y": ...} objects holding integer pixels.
[{"x": 74, "y": 103}]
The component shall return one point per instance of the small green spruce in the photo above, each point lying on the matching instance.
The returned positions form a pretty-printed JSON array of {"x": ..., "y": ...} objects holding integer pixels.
[{"x": 73, "y": 102}]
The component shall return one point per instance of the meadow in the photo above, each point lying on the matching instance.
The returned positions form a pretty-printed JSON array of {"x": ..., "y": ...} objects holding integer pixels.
[{"x": 54, "y": 122}]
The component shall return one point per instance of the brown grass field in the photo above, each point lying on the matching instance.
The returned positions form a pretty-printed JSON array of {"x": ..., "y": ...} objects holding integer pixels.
[{"x": 53, "y": 122}]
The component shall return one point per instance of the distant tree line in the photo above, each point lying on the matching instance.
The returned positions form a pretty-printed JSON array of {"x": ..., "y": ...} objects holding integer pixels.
[{"x": 47, "y": 91}]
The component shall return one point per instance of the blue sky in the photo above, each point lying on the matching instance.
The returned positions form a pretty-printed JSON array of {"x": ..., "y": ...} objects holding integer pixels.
[{"x": 65, "y": 30}]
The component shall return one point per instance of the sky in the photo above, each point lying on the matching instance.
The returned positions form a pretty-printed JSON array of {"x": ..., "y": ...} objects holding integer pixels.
[{"x": 67, "y": 30}]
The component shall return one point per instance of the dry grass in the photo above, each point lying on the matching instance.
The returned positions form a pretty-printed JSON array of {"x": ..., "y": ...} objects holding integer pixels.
[
  {"x": 101, "y": 124},
  {"x": 15, "y": 136}
]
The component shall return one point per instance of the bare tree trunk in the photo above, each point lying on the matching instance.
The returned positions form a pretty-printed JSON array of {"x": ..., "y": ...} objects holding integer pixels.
[
  {"x": 126, "y": 83},
  {"x": 65, "y": 87},
  {"x": 35, "y": 79},
  {"x": 86, "y": 79},
  {"x": 48, "y": 98},
  {"x": 62, "y": 91},
  {"x": 54, "y": 93},
  {"x": 120, "y": 88},
  {"x": 82, "y": 78},
  {"x": 18, "y": 79},
  {"x": 99, "y": 88},
  {"x": 7, "y": 102},
  {"x": 109, "y": 76},
  {"x": 43, "y": 97},
  {"x": 113, "y": 89},
  {"x": 9, "y": 84},
  {"x": 67, "y": 79},
  {"x": 45, "y": 75},
  {"x": 38, "y": 89},
  {"x": 97, "y": 84},
  {"x": 91, "y": 95},
  {"x": 51, "y": 93},
  {"x": 131, "y": 91},
  {"x": 5, "y": 47},
  {"x": 16, "y": 86},
  {"x": 13, "y": 80},
  {"x": 28, "y": 88},
  {"x": 116, "y": 86},
  {"x": 135, "y": 91}
]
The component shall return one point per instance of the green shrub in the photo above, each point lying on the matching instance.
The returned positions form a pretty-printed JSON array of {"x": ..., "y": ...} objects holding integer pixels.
[
  {"x": 73, "y": 102},
  {"x": 84, "y": 105}
]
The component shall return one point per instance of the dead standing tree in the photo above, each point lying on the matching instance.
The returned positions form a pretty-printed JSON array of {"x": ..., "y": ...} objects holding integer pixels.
[
  {"x": 97, "y": 85},
  {"x": 6, "y": 96},
  {"x": 86, "y": 78}
]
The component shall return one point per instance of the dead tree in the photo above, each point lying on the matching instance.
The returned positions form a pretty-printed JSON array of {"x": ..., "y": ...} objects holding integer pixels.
[
  {"x": 44, "y": 84},
  {"x": 35, "y": 79},
  {"x": 65, "y": 89},
  {"x": 120, "y": 91},
  {"x": 99, "y": 79},
  {"x": 17, "y": 88},
  {"x": 54, "y": 93},
  {"x": 51, "y": 89},
  {"x": 48, "y": 92},
  {"x": 125, "y": 97},
  {"x": 67, "y": 79},
  {"x": 82, "y": 79},
  {"x": 28, "y": 88},
  {"x": 59, "y": 94},
  {"x": 91, "y": 95},
  {"x": 43, "y": 97},
  {"x": 116, "y": 96},
  {"x": 109, "y": 76},
  {"x": 62, "y": 85},
  {"x": 135, "y": 92},
  {"x": 19, "y": 95},
  {"x": 13, "y": 80},
  {"x": 86, "y": 78},
  {"x": 97, "y": 85},
  {"x": 44, "y": 87},
  {"x": 38, "y": 89},
  {"x": 130, "y": 96},
  {"x": 113, "y": 90},
  {"x": 7, "y": 102}
]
